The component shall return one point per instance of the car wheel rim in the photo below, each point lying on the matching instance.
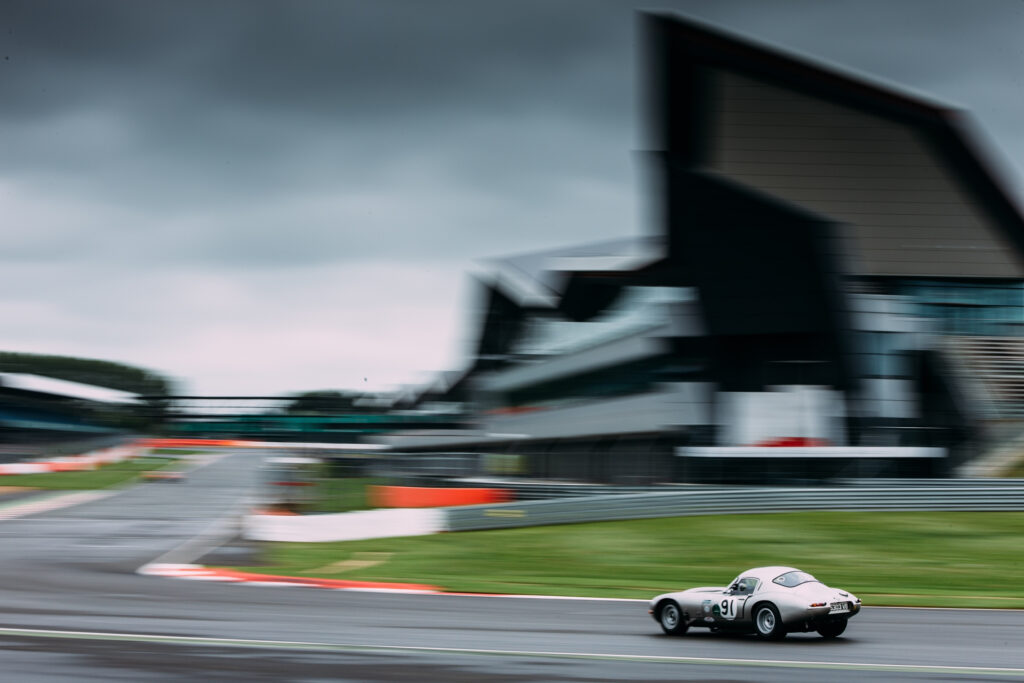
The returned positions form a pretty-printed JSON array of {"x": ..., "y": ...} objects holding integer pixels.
[
  {"x": 670, "y": 616},
  {"x": 766, "y": 621}
]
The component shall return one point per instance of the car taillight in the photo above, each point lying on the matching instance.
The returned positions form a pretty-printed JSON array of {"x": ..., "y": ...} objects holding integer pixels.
[{"x": 818, "y": 604}]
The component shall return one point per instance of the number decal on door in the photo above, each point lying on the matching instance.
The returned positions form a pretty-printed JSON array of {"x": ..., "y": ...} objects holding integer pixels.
[{"x": 728, "y": 608}]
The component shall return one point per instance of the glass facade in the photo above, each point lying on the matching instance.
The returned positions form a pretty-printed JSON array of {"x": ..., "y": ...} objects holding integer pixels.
[
  {"x": 620, "y": 380},
  {"x": 884, "y": 354},
  {"x": 637, "y": 309},
  {"x": 968, "y": 307}
]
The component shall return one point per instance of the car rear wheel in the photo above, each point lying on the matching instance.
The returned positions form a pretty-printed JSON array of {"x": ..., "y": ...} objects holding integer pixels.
[
  {"x": 832, "y": 630},
  {"x": 671, "y": 619},
  {"x": 768, "y": 623}
]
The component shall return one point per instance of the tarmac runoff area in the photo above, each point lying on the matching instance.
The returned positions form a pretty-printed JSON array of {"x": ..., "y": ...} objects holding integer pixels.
[
  {"x": 37, "y": 501},
  {"x": 16, "y": 501}
]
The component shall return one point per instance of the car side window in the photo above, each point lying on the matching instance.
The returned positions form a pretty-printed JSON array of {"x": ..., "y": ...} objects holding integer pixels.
[
  {"x": 793, "y": 578},
  {"x": 746, "y": 586}
]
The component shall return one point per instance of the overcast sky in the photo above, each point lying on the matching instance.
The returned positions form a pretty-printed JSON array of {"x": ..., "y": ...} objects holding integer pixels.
[{"x": 266, "y": 197}]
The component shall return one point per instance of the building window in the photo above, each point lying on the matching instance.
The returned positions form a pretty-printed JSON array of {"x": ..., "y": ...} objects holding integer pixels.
[
  {"x": 883, "y": 354},
  {"x": 968, "y": 307}
]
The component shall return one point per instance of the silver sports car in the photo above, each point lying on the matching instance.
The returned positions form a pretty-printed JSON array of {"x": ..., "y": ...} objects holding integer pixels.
[{"x": 768, "y": 601}]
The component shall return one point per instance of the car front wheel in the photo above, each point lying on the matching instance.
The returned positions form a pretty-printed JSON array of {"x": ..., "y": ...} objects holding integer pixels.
[
  {"x": 833, "y": 630},
  {"x": 671, "y": 619},
  {"x": 768, "y": 623}
]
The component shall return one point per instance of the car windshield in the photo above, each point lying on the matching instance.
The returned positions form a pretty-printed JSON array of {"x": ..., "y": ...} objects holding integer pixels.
[{"x": 794, "y": 578}]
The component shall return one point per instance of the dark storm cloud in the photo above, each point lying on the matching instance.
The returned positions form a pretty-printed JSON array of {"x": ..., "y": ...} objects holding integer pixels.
[
  {"x": 204, "y": 111},
  {"x": 197, "y": 107},
  {"x": 359, "y": 58}
]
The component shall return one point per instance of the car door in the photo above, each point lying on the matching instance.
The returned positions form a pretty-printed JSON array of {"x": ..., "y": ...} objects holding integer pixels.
[{"x": 731, "y": 605}]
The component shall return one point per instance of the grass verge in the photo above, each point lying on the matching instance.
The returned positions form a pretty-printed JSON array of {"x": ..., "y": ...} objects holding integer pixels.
[
  {"x": 1017, "y": 472},
  {"x": 341, "y": 494},
  {"x": 938, "y": 559},
  {"x": 106, "y": 475}
]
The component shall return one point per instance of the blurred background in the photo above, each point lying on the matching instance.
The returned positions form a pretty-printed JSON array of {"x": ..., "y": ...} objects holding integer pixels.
[
  {"x": 819, "y": 276},
  {"x": 578, "y": 285}
]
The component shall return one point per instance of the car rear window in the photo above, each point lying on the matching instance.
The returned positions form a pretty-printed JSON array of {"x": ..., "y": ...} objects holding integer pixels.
[{"x": 790, "y": 579}]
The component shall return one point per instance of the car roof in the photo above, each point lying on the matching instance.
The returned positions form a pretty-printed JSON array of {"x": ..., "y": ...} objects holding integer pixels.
[{"x": 768, "y": 573}]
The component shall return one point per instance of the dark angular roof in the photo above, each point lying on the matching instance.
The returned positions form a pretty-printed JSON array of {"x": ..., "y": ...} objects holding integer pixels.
[{"x": 679, "y": 48}]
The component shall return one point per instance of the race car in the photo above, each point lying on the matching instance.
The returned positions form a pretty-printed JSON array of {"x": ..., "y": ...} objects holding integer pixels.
[{"x": 767, "y": 601}]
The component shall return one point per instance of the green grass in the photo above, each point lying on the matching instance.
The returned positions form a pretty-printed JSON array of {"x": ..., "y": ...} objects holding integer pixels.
[
  {"x": 341, "y": 494},
  {"x": 1017, "y": 472},
  {"x": 107, "y": 475},
  {"x": 956, "y": 559}
]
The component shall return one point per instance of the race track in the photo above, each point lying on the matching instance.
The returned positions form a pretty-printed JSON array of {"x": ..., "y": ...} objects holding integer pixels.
[{"x": 72, "y": 609}]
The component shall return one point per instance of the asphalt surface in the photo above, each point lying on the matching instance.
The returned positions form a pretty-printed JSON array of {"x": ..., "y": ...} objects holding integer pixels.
[{"x": 72, "y": 609}]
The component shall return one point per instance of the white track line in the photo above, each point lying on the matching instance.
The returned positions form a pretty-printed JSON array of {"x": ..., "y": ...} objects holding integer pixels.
[{"x": 350, "y": 647}]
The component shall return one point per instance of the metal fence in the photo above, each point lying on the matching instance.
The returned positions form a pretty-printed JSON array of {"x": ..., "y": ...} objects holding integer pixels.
[{"x": 970, "y": 495}]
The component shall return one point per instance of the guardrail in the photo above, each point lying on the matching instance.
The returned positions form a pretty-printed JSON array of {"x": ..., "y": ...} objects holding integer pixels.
[
  {"x": 924, "y": 483},
  {"x": 739, "y": 500},
  {"x": 524, "y": 489}
]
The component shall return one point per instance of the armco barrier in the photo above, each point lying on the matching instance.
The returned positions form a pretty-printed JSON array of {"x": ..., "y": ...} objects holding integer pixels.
[{"x": 737, "y": 500}]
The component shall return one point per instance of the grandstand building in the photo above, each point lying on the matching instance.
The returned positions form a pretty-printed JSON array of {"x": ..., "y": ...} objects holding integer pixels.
[
  {"x": 47, "y": 416},
  {"x": 835, "y": 288}
]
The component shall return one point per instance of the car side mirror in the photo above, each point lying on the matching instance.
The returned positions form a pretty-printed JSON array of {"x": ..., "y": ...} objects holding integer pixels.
[{"x": 735, "y": 587}]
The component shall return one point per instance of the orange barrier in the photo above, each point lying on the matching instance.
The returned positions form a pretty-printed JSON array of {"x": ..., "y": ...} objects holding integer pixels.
[
  {"x": 72, "y": 466},
  {"x": 421, "y": 497}
]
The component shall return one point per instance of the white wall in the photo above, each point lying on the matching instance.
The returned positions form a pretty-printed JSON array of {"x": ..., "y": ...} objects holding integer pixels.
[
  {"x": 749, "y": 417},
  {"x": 345, "y": 526}
]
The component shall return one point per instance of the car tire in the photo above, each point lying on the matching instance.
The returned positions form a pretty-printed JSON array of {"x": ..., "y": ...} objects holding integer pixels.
[
  {"x": 768, "y": 623},
  {"x": 671, "y": 619},
  {"x": 832, "y": 630}
]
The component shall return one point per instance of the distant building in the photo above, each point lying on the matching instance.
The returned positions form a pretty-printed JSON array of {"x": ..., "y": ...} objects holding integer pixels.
[
  {"x": 35, "y": 410},
  {"x": 837, "y": 289}
]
